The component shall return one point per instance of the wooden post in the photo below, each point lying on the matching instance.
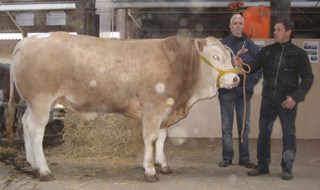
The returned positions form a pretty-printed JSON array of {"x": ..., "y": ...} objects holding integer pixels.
[
  {"x": 121, "y": 22},
  {"x": 79, "y": 23},
  {"x": 91, "y": 19},
  {"x": 279, "y": 9}
]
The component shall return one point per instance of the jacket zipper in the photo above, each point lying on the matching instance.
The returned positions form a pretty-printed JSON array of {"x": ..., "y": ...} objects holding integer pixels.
[
  {"x": 277, "y": 74},
  {"x": 244, "y": 43}
]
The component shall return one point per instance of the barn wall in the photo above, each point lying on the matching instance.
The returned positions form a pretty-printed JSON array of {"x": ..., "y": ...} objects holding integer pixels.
[
  {"x": 204, "y": 118},
  {"x": 6, "y": 49}
]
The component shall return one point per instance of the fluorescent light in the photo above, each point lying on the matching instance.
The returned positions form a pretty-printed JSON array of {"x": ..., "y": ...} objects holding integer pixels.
[
  {"x": 18, "y": 36},
  {"x": 37, "y": 6},
  {"x": 10, "y": 36}
]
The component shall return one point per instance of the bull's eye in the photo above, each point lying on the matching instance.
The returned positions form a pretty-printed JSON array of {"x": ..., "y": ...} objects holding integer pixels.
[{"x": 216, "y": 57}]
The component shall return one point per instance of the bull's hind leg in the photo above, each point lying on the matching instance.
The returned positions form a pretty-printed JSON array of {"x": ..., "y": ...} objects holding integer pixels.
[
  {"x": 161, "y": 162},
  {"x": 34, "y": 123},
  {"x": 26, "y": 136}
]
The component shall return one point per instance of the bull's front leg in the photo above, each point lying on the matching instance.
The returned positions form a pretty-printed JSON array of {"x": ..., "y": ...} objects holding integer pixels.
[
  {"x": 161, "y": 162},
  {"x": 151, "y": 126}
]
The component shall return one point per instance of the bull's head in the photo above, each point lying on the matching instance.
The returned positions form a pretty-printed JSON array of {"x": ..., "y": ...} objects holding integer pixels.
[{"x": 213, "y": 53}]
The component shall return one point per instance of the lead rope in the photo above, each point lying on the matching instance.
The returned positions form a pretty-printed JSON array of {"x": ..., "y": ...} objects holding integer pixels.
[
  {"x": 244, "y": 73},
  {"x": 240, "y": 70}
]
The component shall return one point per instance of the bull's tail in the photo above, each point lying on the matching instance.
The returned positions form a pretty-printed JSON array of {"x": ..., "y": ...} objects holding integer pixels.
[{"x": 10, "y": 113}]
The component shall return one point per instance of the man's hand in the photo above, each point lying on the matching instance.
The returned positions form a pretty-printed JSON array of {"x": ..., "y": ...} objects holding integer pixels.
[
  {"x": 237, "y": 61},
  {"x": 289, "y": 103}
]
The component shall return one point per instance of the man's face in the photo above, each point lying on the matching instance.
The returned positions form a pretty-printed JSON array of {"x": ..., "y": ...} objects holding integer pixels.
[
  {"x": 237, "y": 26},
  {"x": 280, "y": 34}
]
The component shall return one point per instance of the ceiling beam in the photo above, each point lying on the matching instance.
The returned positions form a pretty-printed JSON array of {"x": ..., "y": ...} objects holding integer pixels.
[{"x": 200, "y": 4}]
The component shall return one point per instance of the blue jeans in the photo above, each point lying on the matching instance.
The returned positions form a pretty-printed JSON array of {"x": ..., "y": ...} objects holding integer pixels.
[
  {"x": 269, "y": 110},
  {"x": 230, "y": 101}
]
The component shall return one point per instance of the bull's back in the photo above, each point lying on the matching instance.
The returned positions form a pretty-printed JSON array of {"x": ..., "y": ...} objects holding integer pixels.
[{"x": 98, "y": 69}]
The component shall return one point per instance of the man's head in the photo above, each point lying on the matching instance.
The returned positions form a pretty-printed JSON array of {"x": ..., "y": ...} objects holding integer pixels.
[
  {"x": 283, "y": 30},
  {"x": 237, "y": 25}
]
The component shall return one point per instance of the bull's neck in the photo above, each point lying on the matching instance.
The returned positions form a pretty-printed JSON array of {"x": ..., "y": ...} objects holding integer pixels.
[{"x": 205, "y": 87}]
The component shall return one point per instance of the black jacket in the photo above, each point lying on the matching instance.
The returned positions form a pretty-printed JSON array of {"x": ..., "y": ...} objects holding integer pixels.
[
  {"x": 286, "y": 71},
  {"x": 236, "y": 43}
]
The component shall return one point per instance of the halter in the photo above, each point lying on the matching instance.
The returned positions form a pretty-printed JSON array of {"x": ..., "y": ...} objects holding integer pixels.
[{"x": 222, "y": 72}]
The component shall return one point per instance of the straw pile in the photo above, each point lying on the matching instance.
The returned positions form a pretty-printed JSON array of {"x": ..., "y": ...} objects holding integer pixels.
[{"x": 110, "y": 135}]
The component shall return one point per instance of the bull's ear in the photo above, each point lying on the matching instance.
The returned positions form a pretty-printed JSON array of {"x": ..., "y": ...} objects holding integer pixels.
[{"x": 200, "y": 44}]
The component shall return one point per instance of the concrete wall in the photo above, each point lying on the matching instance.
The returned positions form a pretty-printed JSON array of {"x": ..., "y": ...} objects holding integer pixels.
[{"x": 204, "y": 118}]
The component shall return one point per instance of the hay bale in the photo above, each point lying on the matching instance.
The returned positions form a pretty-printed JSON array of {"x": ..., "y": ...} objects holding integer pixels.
[{"x": 110, "y": 135}]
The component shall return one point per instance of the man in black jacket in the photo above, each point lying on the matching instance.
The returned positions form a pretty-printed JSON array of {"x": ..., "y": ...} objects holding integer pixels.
[{"x": 288, "y": 76}]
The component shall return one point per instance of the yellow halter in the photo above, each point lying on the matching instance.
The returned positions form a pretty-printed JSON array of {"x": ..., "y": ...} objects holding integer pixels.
[{"x": 221, "y": 72}]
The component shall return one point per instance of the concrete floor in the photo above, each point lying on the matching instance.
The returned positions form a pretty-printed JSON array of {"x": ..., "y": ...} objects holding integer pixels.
[{"x": 193, "y": 161}]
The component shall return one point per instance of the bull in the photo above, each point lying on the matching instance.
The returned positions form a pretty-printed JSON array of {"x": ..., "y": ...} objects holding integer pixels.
[{"x": 156, "y": 81}]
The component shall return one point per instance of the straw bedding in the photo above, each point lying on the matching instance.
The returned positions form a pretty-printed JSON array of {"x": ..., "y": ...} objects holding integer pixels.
[{"x": 110, "y": 135}]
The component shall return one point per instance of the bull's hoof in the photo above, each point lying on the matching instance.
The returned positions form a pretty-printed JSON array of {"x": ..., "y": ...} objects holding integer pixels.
[
  {"x": 48, "y": 177},
  {"x": 157, "y": 167},
  {"x": 151, "y": 178},
  {"x": 165, "y": 170}
]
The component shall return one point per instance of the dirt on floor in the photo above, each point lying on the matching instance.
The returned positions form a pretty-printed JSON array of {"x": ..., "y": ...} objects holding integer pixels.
[{"x": 194, "y": 162}]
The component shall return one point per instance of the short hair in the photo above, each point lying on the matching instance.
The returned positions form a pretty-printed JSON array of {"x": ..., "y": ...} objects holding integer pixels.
[
  {"x": 236, "y": 16},
  {"x": 288, "y": 25}
]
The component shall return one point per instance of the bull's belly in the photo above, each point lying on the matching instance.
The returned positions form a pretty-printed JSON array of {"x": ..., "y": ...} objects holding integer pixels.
[{"x": 130, "y": 107}]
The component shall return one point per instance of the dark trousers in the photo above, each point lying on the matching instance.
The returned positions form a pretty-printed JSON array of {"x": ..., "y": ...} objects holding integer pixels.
[
  {"x": 230, "y": 102},
  {"x": 269, "y": 110}
]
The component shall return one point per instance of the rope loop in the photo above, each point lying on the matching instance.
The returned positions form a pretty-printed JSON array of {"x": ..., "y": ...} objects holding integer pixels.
[{"x": 244, "y": 69}]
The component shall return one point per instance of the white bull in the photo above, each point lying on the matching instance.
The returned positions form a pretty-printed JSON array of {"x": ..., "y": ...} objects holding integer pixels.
[{"x": 156, "y": 81}]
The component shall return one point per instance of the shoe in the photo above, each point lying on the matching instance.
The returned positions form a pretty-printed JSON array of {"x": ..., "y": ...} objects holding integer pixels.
[
  {"x": 225, "y": 163},
  {"x": 258, "y": 171},
  {"x": 286, "y": 174},
  {"x": 247, "y": 164}
]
